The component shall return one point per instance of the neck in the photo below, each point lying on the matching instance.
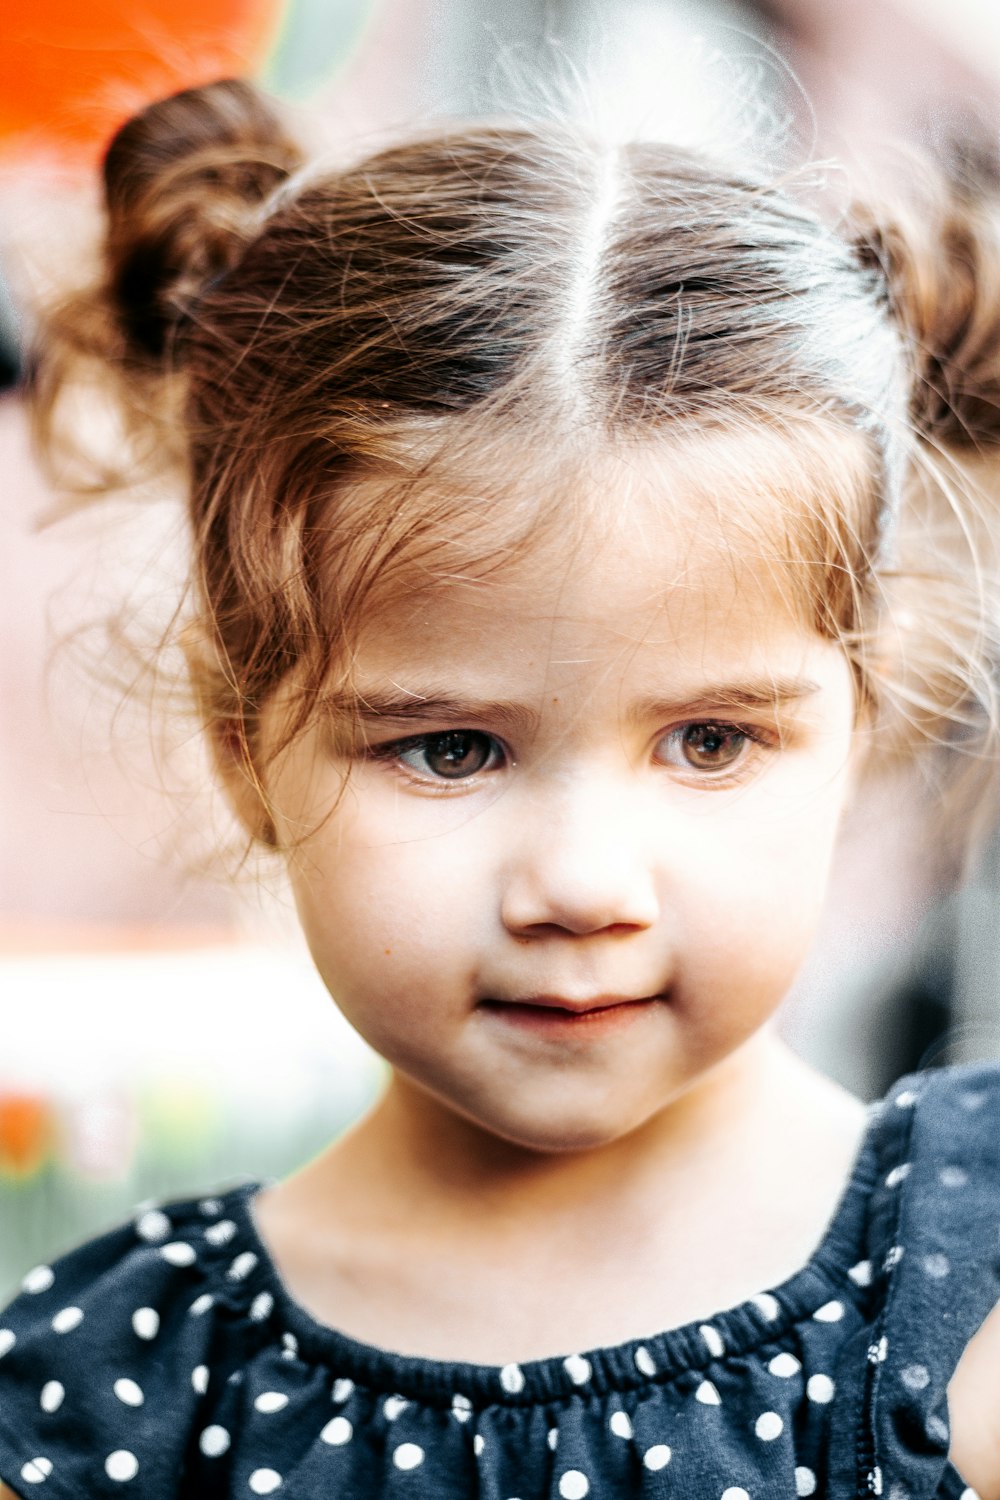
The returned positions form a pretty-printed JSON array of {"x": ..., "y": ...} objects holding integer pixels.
[{"x": 421, "y": 1160}]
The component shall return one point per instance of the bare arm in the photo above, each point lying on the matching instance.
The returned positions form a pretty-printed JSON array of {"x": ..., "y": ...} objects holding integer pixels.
[
  {"x": 7, "y": 1494},
  {"x": 974, "y": 1407}
]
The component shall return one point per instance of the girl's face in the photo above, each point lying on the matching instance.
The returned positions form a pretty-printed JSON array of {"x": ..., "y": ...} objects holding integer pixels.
[{"x": 585, "y": 837}]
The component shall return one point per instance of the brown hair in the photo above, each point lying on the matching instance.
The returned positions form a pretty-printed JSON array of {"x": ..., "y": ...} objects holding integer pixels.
[{"x": 282, "y": 336}]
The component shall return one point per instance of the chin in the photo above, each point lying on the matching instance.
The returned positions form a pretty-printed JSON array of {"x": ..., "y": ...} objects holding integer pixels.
[{"x": 555, "y": 1135}]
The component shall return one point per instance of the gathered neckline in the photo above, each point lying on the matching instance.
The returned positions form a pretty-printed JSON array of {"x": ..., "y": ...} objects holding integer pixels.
[{"x": 658, "y": 1357}]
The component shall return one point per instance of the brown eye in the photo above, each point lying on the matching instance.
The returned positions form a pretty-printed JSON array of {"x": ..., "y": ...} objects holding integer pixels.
[
  {"x": 453, "y": 755},
  {"x": 711, "y": 747}
]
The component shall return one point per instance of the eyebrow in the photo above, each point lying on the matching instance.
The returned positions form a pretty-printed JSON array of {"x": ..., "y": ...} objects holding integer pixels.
[
  {"x": 395, "y": 705},
  {"x": 766, "y": 695}
]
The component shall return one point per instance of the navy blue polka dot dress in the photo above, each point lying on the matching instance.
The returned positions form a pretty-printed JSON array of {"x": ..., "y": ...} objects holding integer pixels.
[{"x": 165, "y": 1359}]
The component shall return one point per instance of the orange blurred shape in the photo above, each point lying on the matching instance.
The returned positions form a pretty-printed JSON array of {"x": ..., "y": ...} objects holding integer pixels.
[
  {"x": 26, "y": 1133},
  {"x": 70, "y": 73}
]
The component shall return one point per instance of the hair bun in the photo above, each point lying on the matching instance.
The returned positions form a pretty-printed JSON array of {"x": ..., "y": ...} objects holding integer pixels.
[
  {"x": 940, "y": 254},
  {"x": 181, "y": 180}
]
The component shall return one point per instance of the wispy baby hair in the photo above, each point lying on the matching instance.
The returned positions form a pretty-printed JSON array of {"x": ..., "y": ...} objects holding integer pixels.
[{"x": 377, "y": 377}]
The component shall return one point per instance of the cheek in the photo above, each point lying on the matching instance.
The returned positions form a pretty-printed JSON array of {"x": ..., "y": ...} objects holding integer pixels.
[
  {"x": 754, "y": 899},
  {"x": 384, "y": 918}
]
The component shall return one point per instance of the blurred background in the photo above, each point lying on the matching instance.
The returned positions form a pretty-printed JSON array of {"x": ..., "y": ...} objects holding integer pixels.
[{"x": 161, "y": 1029}]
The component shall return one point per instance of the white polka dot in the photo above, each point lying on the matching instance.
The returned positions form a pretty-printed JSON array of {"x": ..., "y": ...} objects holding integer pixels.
[
  {"x": 973, "y": 1100},
  {"x": 897, "y": 1175},
  {"x": 265, "y": 1481},
  {"x": 937, "y": 1429},
  {"x": 7, "y": 1341},
  {"x": 784, "y": 1365},
  {"x": 970, "y": 1494},
  {"x": 735, "y": 1493},
  {"x": 878, "y": 1352},
  {"x": 644, "y": 1361},
  {"x": 271, "y": 1401},
  {"x": 768, "y": 1426},
  {"x": 38, "y": 1280},
  {"x": 512, "y": 1379},
  {"x": 260, "y": 1307},
  {"x": 214, "y": 1441},
  {"x": 577, "y": 1368},
  {"x": 830, "y": 1312},
  {"x": 861, "y": 1274},
  {"x": 239, "y": 1271},
  {"x": 342, "y": 1388},
  {"x": 552, "y": 1437},
  {"x": 573, "y": 1485},
  {"x": 153, "y": 1225},
  {"x": 805, "y": 1481},
  {"x": 478, "y": 1444},
  {"x": 53, "y": 1395},
  {"x": 820, "y": 1388},
  {"x": 146, "y": 1322},
  {"x": 656, "y": 1457},
  {"x": 37, "y": 1470},
  {"x": 461, "y": 1407},
  {"x": 915, "y": 1377},
  {"x": 620, "y": 1424},
  {"x": 953, "y": 1177},
  {"x": 128, "y": 1392},
  {"x": 201, "y": 1304},
  {"x": 178, "y": 1253},
  {"x": 337, "y": 1432},
  {"x": 68, "y": 1319},
  {"x": 713, "y": 1340},
  {"x": 408, "y": 1456},
  {"x": 221, "y": 1233},
  {"x": 199, "y": 1379},
  {"x": 707, "y": 1394},
  {"x": 393, "y": 1405},
  {"x": 893, "y": 1256},
  {"x": 121, "y": 1465},
  {"x": 875, "y": 1480},
  {"x": 906, "y": 1099},
  {"x": 937, "y": 1265},
  {"x": 210, "y": 1207},
  {"x": 291, "y": 1344},
  {"x": 767, "y": 1304}
]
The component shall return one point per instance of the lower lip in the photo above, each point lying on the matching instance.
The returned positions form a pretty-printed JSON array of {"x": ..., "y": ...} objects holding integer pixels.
[{"x": 547, "y": 1020}]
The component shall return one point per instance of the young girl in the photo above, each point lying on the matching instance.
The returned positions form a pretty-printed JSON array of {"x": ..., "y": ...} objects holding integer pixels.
[{"x": 554, "y": 591}]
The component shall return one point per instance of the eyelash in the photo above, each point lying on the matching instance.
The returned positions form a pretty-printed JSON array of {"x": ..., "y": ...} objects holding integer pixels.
[{"x": 753, "y": 736}]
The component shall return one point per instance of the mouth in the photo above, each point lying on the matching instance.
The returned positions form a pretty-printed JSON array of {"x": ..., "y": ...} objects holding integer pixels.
[{"x": 556, "y": 1014}]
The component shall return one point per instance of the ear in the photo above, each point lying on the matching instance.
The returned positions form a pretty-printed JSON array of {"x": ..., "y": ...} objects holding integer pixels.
[
  {"x": 228, "y": 749},
  {"x": 240, "y": 782}
]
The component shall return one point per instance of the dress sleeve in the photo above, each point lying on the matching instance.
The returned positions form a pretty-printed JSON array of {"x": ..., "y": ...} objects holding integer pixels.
[
  {"x": 935, "y": 1251},
  {"x": 102, "y": 1365}
]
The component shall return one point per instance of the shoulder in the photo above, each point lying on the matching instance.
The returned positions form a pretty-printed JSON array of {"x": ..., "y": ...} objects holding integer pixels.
[
  {"x": 948, "y": 1118},
  {"x": 117, "y": 1326},
  {"x": 936, "y": 1203}
]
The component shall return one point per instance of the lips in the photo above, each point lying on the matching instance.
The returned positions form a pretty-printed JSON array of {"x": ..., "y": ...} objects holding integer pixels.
[
  {"x": 558, "y": 1019},
  {"x": 592, "y": 1006}
]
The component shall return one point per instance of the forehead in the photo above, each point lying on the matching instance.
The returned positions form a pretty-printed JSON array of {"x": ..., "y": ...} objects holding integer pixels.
[{"x": 666, "y": 540}]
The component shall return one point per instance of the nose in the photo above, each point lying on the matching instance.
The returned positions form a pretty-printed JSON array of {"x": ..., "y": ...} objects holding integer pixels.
[{"x": 582, "y": 864}]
